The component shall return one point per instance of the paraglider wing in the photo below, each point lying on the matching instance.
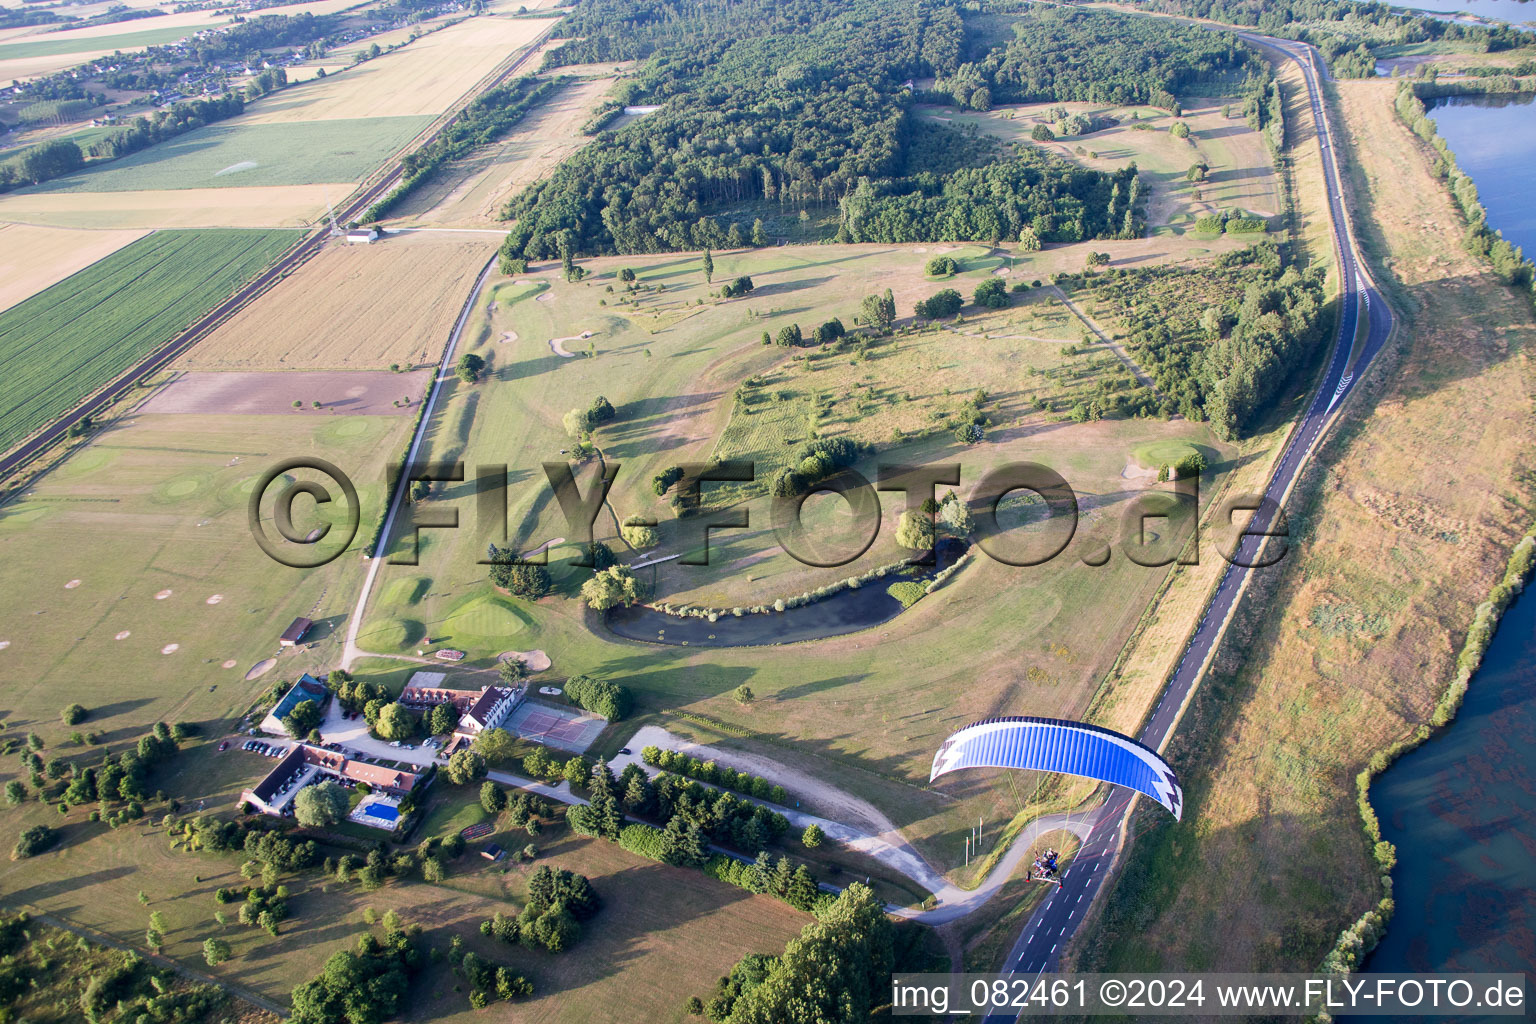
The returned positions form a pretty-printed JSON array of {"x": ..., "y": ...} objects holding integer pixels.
[{"x": 1069, "y": 748}]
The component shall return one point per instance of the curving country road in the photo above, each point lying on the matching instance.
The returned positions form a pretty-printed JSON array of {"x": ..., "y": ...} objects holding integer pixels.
[
  {"x": 200, "y": 328},
  {"x": 1053, "y": 924}
]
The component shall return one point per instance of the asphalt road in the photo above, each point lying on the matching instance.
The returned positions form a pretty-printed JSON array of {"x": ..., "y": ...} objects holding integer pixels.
[
  {"x": 1038, "y": 948},
  {"x": 40, "y": 442}
]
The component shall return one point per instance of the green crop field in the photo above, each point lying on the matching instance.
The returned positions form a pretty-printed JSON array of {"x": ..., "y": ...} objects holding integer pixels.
[
  {"x": 67, "y": 341},
  {"x": 91, "y": 44},
  {"x": 239, "y": 155}
]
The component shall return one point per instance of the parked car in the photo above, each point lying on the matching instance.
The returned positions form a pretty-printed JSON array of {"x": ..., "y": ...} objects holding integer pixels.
[{"x": 223, "y": 746}]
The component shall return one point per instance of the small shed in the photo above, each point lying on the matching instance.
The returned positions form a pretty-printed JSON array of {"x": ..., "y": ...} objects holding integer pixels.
[
  {"x": 492, "y": 852},
  {"x": 295, "y": 632},
  {"x": 362, "y": 236}
]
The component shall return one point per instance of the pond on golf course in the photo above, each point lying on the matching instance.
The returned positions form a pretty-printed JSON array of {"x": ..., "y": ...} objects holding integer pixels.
[{"x": 847, "y": 611}]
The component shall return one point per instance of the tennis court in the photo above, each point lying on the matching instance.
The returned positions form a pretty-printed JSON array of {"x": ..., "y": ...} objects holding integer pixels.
[{"x": 562, "y": 728}]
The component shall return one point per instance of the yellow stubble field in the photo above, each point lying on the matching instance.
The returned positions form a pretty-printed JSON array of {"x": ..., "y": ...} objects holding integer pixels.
[
  {"x": 425, "y": 77},
  {"x": 32, "y": 258},
  {"x": 258, "y": 206},
  {"x": 353, "y": 307}
]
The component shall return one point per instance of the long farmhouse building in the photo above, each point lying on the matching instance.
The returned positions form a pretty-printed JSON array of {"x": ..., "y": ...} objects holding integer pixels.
[{"x": 305, "y": 765}]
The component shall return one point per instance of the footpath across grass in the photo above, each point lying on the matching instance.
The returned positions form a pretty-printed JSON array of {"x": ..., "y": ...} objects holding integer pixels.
[{"x": 65, "y": 342}]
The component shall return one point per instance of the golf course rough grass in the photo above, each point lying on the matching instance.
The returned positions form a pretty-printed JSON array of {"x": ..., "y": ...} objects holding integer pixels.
[
  {"x": 67, "y": 341},
  {"x": 232, "y": 155}
]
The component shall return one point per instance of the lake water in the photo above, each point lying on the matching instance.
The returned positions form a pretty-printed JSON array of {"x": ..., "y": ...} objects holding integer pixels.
[
  {"x": 1461, "y": 809},
  {"x": 1500, "y": 10},
  {"x": 1494, "y": 139}
]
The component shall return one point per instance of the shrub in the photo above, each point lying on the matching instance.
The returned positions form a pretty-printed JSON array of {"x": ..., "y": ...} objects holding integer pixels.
[
  {"x": 941, "y": 266},
  {"x": 74, "y": 714},
  {"x": 992, "y": 293},
  {"x": 33, "y": 841},
  {"x": 599, "y": 696}
]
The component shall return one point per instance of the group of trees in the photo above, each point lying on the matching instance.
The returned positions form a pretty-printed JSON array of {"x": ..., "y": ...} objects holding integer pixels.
[
  {"x": 1065, "y": 54},
  {"x": 799, "y": 102},
  {"x": 1221, "y": 339},
  {"x": 611, "y": 587},
  {"x": 523, "y": 579},
  {"x": 558, "y": 901},
  {"x": 838, "y": 970},
  {"x": 368, "y": 986},
  {"x": 776, "y": 877},
  {"x": 708, "y": 771},
  {"x": 814, "y": 462},
  {"x": 599, "y": 696}
]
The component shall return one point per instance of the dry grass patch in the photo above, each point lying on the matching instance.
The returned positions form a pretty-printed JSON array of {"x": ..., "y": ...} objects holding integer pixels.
[
  {"x": 277, "y": 206},
  {"x": 353, "y": 307},
  {"x": 32, "y": 258},
  {"x": 425, "y": 77},
  {"x": 473, "y": 190}
]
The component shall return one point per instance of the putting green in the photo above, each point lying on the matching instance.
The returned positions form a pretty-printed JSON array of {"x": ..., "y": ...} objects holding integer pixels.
[
  {"x": 484, "y": 621},
  {"x": 181, "y": 487},
  {"x": 387, "y": 634},
  {"x": 405, "y": 591},
  {"x": 1162, "y": 453}
]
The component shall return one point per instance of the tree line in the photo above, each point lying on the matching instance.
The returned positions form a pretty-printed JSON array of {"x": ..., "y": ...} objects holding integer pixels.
[{"x": 488, "y": 117}]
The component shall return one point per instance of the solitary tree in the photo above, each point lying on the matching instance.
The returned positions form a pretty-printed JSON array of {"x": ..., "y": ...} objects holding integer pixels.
[
  {"x": 73, "y": 714},
  {"x": 639, "y": 532},
  {"x": 442, "y": 719},
  {"x": 396, "y": 722},
  {"x": 812, "y": 836},
  {"x": 469, "y": 367},
  {"x": 319, "y": 806},
  {"x": 709, "y": 267},
  {"x": 216, "y": 951},
  {"x": 465, "y": 767},
  {"x": 914, "y": 531},
  {"x": 613, "y": 586},
  {"x": 879, "y": 311}
]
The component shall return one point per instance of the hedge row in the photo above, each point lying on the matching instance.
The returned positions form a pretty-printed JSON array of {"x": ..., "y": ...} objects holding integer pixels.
[
  {"x": 708, "y": 771},
  {"x": 685, "y": 611}
]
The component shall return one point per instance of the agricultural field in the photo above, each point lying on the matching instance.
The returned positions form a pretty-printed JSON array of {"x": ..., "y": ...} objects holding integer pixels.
[
  {"x": 1241, "y": 175},
  {"x": 671, "y": 366},
  {"x": 471, "y": 192},
  {"x": 63, "y": 343},
  {"x": 280, "y": 206},
  {"x": 424, "y": 78},
  {"x": 234, "y": 155},
  {"x": 347, "y": 308},
  {"x": 33, "y": 258}
]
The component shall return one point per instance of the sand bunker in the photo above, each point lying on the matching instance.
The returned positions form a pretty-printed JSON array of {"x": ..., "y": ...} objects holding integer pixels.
[
  {"x": 507, "y": 336},
  {"x": 162, "y": 595},
  {"x": 261, "y": 667},
  {"x": 229, "y": 664},
  {"x": 557, "y": 345},
  {"x": 215, "y": 599},
  {"x": 170, "y": 648},
  {"x": 4, "y": 644},
  {"x": 71, "y": 585},
  {"x": 124, "y": 635},
  {"x": 533, "y": 661},
  {"x": 1002, "y": 271},
  {"x": 546, "y": 297}
]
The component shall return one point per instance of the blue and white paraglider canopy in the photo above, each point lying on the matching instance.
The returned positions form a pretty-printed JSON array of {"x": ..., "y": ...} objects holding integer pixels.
[{"x": 1068, "y": 748}]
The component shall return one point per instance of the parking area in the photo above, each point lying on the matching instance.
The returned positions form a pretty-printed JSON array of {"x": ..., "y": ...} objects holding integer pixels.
[{"x": 562, "y": 728}]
